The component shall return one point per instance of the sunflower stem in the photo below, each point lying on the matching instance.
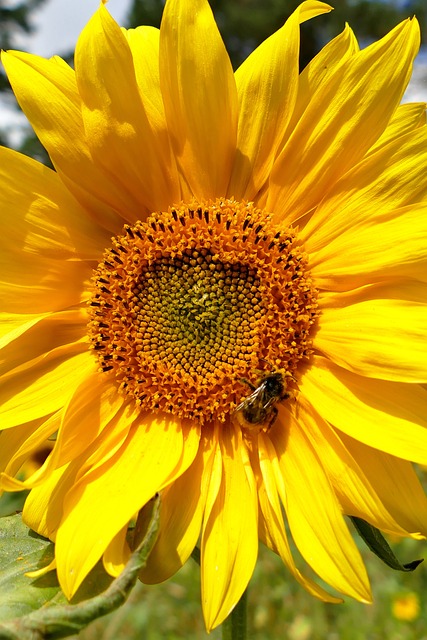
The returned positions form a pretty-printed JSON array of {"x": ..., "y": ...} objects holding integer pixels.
[{"x": 234, "y": 627}]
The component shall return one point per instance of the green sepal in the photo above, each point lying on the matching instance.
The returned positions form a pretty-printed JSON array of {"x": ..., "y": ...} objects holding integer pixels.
[
  {"x": 376, "y": 542},
  {"x": 195, "y": 554},
  {"x": 58, "y": 620}
]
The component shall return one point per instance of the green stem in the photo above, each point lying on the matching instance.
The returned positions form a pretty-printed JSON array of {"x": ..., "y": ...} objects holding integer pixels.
[{"x": 234, "y": 627}]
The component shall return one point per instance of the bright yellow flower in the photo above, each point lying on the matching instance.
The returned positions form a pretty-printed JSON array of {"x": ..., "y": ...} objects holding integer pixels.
[
  {"x": 269, "y": 232},
  {"x": 406, "y": 607}
]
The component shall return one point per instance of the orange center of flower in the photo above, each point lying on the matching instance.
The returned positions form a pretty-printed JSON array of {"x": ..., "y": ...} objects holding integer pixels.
[{"x": 190, "y": 302}]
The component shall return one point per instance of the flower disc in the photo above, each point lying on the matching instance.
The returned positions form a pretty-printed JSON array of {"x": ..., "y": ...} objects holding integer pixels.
[{"x": 191, "y": 301}]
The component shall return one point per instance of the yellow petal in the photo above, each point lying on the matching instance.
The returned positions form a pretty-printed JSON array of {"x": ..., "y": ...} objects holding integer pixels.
[
  {"x": 45, "y": 239},
  {"x": 119, "y": 135},
  {"x": 11, "y": 441},
  {"x": 144, "y": 44},
  {"x": 14, "y": 325},
  {"x": 93, "y": 405},
  {"x": 41, "y": 572},
  {"x": 200, "y": 98},
  {"x": 181, "y": 512},
  {"x": 377, "y": 331},
  {"x": 229, "y": 537},
  {"x": 334, "y": 54},
  {"x": 57, "y": 121},
  {"x": 41, "y": 216},
  {"x": 344, "y": 118},
  {"x": 395, "y": 482},
  {"x": 38, "y": 284},
  {"x": 109, "y": 441},
  {"x": 386, "y": 180},
  {"x": 314, "y": 515},
  {"x": 117, "y": 553},
  {"x": 108, "y": 496},
  {"x": 17, "y": 444},
  {"x": 397, "y": 249},
  {"x": 50, "y": 332},
  {"x": 346, "y": 473},
  {"x": 267, "y": 84},
  {"x": 388, "y": 416},
  {"x": 44, "y": 505},
  {"x": 406, "y": 118},
  {"x": 213, "y": 476},
  {"x": 272, "y": 528},
  {"x": 43, "y": 387}
]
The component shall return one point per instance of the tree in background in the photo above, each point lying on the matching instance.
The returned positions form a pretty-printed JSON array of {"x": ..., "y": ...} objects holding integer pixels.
[
  {"x": 16, "y": 19},
  {"x": 246, "y": 23},
  {"x": 419, "y": 9}
]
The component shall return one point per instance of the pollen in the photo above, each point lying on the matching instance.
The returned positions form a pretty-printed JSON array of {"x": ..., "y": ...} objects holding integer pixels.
[{"x": 189, "y": 302}]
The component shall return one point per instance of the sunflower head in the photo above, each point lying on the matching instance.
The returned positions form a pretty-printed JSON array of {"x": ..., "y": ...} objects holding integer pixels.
[
  {"x": 218, "y": 295},
  {"x": 191, "y": 302}
]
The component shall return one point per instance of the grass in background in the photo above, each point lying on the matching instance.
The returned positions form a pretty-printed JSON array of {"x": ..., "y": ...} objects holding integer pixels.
[{"x": 278, "y": 607}]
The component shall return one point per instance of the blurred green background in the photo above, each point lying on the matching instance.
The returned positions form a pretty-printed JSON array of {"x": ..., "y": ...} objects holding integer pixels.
[{"x": 278, "y": 606}]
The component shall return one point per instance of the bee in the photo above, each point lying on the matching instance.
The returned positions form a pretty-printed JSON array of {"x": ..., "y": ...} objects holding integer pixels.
[{"x": 257, "y": 412}]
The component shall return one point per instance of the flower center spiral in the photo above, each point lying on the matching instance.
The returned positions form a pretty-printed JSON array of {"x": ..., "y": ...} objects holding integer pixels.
[{"x": 191, "y": 301}]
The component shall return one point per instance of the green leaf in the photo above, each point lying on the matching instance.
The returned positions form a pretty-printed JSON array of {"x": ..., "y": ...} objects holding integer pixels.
[
  {"x": 11, "y": 502},
  {"x": 376, "y": 542},
  {"x": 21, "y": 550},
  {"x": 56, "y": 619}
]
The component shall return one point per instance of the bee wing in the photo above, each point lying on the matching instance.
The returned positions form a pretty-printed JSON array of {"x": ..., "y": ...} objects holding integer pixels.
[
  {"x": 257, "y": 395},
  {"x": 245, "y": 402}
]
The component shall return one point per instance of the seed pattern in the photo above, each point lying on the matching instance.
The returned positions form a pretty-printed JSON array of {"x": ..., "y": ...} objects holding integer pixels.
[{"x": 192, "y": 300}]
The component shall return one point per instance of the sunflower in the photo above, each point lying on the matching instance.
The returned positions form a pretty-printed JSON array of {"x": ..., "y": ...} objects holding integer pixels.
[
  {"x": 406, "y": 607},
  {"x": 219, "y": 294}
]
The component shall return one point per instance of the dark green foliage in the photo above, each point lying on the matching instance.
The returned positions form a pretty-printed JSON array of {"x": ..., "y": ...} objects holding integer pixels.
[
  {"x": 376, "y": 542},
  {"x": 246, "y": 23},
  {"x": 31, "y": 146},
  {"x": 419, "y": 9},
  {"x": 14, "y": 19}
]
